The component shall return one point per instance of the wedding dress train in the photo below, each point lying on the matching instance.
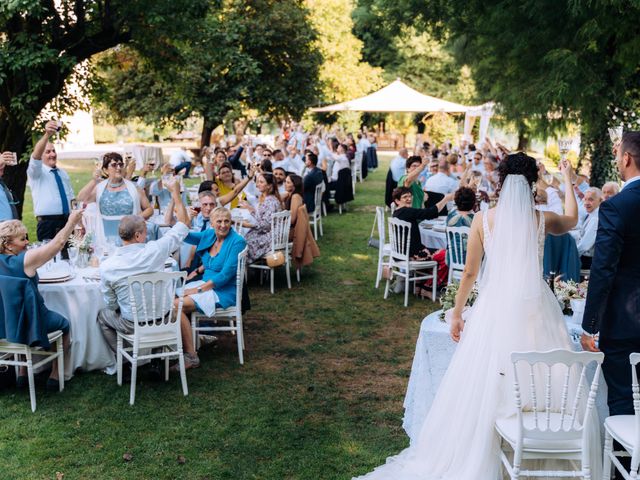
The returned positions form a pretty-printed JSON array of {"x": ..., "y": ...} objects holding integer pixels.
[{"x": 515, "y": 311}]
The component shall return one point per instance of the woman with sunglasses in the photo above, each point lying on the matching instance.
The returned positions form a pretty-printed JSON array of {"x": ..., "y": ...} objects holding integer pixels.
[{"x": 115, "y": 196}]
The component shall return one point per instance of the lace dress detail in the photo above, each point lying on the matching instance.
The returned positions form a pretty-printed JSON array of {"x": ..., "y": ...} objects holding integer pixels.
[{"x": 541, "y": 236}]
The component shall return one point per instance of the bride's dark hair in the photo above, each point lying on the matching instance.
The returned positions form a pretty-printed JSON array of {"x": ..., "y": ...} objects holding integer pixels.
[{"x": 517, "y": 164}]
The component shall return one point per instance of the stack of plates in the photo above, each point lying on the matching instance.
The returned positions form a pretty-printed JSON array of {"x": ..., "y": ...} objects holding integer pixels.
[{"x": 55, "y": 273}]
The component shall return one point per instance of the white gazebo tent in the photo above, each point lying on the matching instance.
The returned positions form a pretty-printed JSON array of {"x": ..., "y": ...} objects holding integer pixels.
[{"x": 399, "y": 97}]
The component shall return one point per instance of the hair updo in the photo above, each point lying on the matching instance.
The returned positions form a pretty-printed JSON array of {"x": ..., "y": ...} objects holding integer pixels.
[{"x": 517, "y": 164}]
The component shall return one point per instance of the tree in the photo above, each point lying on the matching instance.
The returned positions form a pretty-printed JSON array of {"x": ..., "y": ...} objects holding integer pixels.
[
  {"x": 258, "y": 54},
  {"x": 42, "y": 42},
  {"x": 545, "y": 61}
]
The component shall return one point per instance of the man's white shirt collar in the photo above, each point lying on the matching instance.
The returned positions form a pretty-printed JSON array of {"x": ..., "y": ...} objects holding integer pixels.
[{"x": 630, "y": 181}]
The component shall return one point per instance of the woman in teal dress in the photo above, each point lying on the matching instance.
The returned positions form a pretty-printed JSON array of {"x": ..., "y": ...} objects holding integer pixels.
[{"x": 18, "y": 262}]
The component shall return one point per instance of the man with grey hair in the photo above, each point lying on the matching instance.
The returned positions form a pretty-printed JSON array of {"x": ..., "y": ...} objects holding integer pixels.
[
  {"x": 136, "y": 257},
  {"x": 610, "y": 189},
  {"x": 589, "y": 228}
]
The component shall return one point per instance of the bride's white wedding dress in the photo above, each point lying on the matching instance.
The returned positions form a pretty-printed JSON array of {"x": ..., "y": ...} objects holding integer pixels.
[{"x": 515, "y": 311}]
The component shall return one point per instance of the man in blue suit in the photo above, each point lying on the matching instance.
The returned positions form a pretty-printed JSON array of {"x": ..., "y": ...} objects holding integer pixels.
[
  {"x": 311, "y": 180},
  {"x": 613, "y": 298}
]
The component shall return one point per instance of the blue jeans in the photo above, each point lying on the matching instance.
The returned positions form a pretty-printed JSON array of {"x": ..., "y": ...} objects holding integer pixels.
[{"x": 186, "y": 166}]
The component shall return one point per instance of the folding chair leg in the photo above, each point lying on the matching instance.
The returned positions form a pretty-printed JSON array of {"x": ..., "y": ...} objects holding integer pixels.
[
  {"x": 271, "y": 275},
  {"x": 166, "y": 369},
  {"x": 321, "y": 232},
  {"x": 606, "y": 461},
  {"x": 434, "y": 284},
  {"x": 32, "y": 383},
  {"x": 119, "y": 361},
  {"x": 298, "y": 274},
  {"x": 315, "y": 229},
  {"x": 134, "y": 374},
  {"x": 194, "y": 333},
  {"x": 60, "y": 352},
  {"x": 288, "y": 268},
  {"x": 386, "y": 288},
  {"x": 406, "y": 289},
  {"x": 240, "y": 343},
  {"x": 183, "y": 373},
  {"x": 379, "y": 272}
]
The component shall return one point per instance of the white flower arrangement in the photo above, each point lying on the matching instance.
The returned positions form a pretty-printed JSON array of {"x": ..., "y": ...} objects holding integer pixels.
[
  {"x": 567, "y": 291},
  {"x": 448, "y": 297},
  {"x": 83, "y": 243}
]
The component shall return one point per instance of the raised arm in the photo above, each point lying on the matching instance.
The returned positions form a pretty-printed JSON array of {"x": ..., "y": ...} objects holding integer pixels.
[
  {"x": 469, "y": 275},
  {"x": 237, "y": 189},
  {"x": 34, "y": 170},
  {"x": 559, "y": 224},
  {"x": 36, "y": 257},
  {"x": 413, "y": 176}
]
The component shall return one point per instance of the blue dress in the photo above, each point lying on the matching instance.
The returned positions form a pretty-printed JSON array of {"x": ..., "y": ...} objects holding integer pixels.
[
  {"x": 112, "y": 203},
  {"x": 13, "y": 266}
]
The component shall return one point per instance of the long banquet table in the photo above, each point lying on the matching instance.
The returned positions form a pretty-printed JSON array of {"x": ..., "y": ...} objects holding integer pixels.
[
  {"x": 434, "y": 349},
  {"x": 80, "y": 300}
]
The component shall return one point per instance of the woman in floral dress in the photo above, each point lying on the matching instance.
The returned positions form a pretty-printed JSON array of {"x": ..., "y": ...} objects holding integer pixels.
[{"x": 259, "y": 236}]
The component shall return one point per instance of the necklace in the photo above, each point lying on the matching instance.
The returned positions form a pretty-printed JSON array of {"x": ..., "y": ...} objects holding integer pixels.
[{"x": 116, "y": 185}]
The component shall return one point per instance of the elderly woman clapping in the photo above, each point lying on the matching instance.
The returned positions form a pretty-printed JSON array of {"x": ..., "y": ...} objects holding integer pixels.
[
  {"x": 218, "y": 247},
  {"x": 18, "y": 262}
]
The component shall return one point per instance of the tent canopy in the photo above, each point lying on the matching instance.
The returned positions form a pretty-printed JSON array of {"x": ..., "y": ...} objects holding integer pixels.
[{"x": 396, "y": 97}]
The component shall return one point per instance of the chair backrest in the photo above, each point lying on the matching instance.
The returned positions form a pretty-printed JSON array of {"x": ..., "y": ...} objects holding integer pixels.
[
  {"x": 558, "y": 395},
  {"x": 240, "y": 271},
  {"x": 280, "y": 226},
  {"x": 318, "y": 199},
  {"x": 457, "y": 238},
  {"x": 380, "y": 223},
  {"x": 151, "y": 298},
  {"x": 237, "y": 223},
  {"x": 400, "y": 239}
]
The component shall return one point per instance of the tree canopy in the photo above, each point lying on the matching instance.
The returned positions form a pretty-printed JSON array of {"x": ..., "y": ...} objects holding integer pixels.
[{"x": 545, "y": 61}]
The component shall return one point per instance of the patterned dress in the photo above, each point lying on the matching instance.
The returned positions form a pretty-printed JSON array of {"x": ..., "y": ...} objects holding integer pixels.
[{"x": 259, "y": 237}]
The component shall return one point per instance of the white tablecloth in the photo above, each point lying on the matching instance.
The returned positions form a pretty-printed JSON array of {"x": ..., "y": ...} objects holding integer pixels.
[
  {"x": 434, "y": 349},
  {"x": 144, "y": 154},
  {"x": 80, "y": 301},
  {"x": 433, "y": 239}
]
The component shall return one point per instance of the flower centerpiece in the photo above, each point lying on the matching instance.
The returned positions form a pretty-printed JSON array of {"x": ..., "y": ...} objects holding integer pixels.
[
  {"x": 84, "y": 244},
  {"x": 568, "y": 292},
  {"x": 448, "y": 297}
]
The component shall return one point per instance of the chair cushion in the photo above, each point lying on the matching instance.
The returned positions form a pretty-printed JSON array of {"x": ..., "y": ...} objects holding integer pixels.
[
  {"x": 623, "y": 429},
  {"x": 508, "y": 429}
]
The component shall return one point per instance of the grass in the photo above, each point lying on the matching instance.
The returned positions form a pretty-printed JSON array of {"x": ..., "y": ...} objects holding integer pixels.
[{"x": 319, "y": 397}]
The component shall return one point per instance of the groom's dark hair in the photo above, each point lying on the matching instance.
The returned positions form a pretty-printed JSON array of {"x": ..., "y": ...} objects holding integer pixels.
[
  {"x": 631, "y": 143},
  {"x": 517, "y": 164}
]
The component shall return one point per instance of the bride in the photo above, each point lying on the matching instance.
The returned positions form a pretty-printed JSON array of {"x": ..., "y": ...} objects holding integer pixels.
[{"x": 515, "y": 311}]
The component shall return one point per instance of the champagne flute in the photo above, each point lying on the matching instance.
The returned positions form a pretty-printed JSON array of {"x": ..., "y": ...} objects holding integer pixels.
[
  {"x": 564, "y": 145},
  {"x": 615, "y": 134}
]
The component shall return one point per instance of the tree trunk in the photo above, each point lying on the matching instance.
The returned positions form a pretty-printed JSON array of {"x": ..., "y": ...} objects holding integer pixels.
[
  {"x": 595, "y": 148},
  {"x": 523, "y": 137},
  {"x": 205, "y": 136},
  {"x": 16, "y": 138}
]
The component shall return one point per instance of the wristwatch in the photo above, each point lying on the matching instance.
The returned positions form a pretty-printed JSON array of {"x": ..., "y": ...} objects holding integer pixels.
[{"x": 199, "y": 289}]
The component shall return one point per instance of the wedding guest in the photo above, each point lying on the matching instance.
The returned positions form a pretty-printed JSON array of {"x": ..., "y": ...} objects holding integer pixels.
[
  {"x": 279, "y": 176},
  {"x": 218, "y": 247},
  {"x": 259, "y": 235},
  {"x": 279, "y": 161},
  {"x": 294, "y": 159},
  {"x": 8, "y": 210},
  {"x": 158, "y": 190},
  {"x": 403, "y": 198},
  {"x": 589, "y": 228},
  {"x": 311, "y": 180},
  {"x": 115, "y": 196},
  {"x": 610, "y": 189},
  {"x": 465, "y": 200},
  {"x": 227, "y": 182},
  {"x": 180, "y": 160},
  {"x": 18, "y": 262},
  {"x": 415, "y": 165},
  {"x": 136, "y": 257},
  {"x": 490, "y": 176},
  {"x": 615, "y": 280},
  {"x": 398, "y": 164},
  {"x": 50, "y": 186},
  {"x": 441, "y": 182},
  {"x": 305, "y": 247},
  {"x": 477, "y": 164}
]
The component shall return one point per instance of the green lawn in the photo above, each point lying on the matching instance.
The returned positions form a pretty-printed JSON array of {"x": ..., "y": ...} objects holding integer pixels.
[{"x": 319, "y": 397}]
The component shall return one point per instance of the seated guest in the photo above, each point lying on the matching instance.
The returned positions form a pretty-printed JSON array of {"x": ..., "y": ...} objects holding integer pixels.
[
  {"x": 18, "y": 262},
  {"x": 311, "y": 180},
  {"x": 259, "y": 236},
  {"x": 279, "y": 175},
  {"x": 279, "y": 160},
  {"x": 589, "y": 228},
  {"x": 115, "y": 196},
  {"x": 441, "y": 182},
  {"x": 180, "y": 160},
  {"x": 294, "y": 159},
  {"x": 465, "y": 200},
  {"x": 415, "y": 165},
  {"x": 403, "y": 198},
  {"x": 218, "y": 247},
  {"x": 490, "y": 176},
  {"x": 305, "y": 247},
  {"x": 609, "y": 190},
  {"x": 135, "y": 258},
  {"x": 227, "y": 182},
  {"x": 158, "y": 190}
]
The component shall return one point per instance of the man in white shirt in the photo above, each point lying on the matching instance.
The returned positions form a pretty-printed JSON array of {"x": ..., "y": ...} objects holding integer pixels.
[
  {"x": 50, "y": 186},
  {"x": 478, "y": 165},
  {"x": 279, "y": 161},
  {"x": 592, "y": 199},
  {"x": 136, "y": 257},
  {"x": 294, "y": 159},
  {"x": 363, "y": 143},
  {"x": 441, "y": 182},
  {"x": 180, "y": 160},
  {"x": 398, "y": 164}
]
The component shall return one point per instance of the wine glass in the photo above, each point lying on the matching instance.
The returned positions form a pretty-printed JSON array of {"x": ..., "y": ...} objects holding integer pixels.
[
  {"x": 73, "y": 256},
  {"x": 564, "y": 145},
  {"x": 615, "y": 134}
]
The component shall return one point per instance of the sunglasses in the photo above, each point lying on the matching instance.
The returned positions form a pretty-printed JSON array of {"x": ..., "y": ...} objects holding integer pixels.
[{"x": 117, "y": 164}]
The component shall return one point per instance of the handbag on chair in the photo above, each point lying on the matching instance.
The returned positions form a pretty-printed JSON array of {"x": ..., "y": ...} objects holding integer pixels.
[
  {"x": 275, "y": 259},
  {"x": 373, "y": 241}
]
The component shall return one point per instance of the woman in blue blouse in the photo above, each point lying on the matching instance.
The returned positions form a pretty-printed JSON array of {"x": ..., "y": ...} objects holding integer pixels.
[{"x": 218, "y": 247}]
